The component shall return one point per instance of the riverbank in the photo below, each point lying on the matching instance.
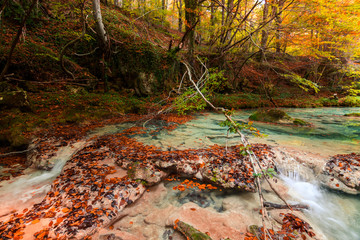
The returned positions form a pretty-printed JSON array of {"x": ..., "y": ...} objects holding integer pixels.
[{"x": 76, "y": 107}]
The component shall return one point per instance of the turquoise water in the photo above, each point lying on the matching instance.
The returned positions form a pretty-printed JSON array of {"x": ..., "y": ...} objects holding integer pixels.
[{"x": 332, "y": 133}]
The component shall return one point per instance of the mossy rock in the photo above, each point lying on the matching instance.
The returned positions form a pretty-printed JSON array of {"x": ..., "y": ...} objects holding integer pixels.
[
  {"x": 277, "y": 116},
  {"x": 352, "y": 115},
  {"x": 300, "y": 122},
  {"x": 270, "y": 115},
  {"x": 15, "y": 139},
  {"x": 15, "y": 99},
  {"x": 190, "y": 232}
]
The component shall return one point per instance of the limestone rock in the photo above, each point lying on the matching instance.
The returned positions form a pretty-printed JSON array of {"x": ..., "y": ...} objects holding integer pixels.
[
  {"x": 343, "y": 173},
  {"x": 217, "y": 225}
]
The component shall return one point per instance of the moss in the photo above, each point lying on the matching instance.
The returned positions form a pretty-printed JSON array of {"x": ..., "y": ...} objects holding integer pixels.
[
  {"x": 327, "y": 102},
  {"x": 300, "y": 122},
  {"x": 277, "y": 116},
  {"x": 352, "y": 115},
  {"x": 17, "y": 140},
  {"x": 190, "y": 232},
  {"x": 131, "y": 171},
  {"x": 14, "y": 138},
  {"x": 270, "y": 115}
]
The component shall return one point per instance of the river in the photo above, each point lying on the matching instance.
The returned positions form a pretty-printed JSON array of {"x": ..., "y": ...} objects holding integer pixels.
[{"x": 332, "y": 133}]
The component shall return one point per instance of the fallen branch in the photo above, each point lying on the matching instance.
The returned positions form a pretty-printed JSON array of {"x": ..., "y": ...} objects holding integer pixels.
[
  {"x": 271, "y": 205},
  {"x": 85, "y": 54},
  {"x": 252, "y": 157},
  {"x": 17, "y": 152}
]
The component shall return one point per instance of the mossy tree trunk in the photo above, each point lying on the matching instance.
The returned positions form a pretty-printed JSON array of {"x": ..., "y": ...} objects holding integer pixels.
[{"x": 190, "y": 17}]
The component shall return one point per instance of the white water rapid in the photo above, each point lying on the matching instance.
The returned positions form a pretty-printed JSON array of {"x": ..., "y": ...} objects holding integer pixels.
[
  {"x": 30, "y": 188},
  {"x": 334, "y": 213}
]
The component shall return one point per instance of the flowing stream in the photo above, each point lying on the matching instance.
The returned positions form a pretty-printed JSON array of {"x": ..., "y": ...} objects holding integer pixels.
[{"x": 335, "y": 213}]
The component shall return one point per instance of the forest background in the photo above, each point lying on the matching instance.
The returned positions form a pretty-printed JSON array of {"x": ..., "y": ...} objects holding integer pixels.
[{"x": 79, "y": 62}]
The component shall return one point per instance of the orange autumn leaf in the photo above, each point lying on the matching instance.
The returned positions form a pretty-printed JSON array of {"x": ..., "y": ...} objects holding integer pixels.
[
  {"x": 35, "y": 221},
  {"x": 65, "y": 210},
  {"x": 59, "y": 220}
]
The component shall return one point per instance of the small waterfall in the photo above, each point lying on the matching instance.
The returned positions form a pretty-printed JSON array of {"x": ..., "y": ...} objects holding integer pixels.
[
  {"x": 31, "y": 188},
  {"x": 334, "y": 213}
]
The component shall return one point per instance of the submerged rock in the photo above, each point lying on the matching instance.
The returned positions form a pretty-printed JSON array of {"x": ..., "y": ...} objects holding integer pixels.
[
  {"x": 352, "y": 115},
  {"x": 278, "y": 116},
  {"x": 190, "y": 232}
]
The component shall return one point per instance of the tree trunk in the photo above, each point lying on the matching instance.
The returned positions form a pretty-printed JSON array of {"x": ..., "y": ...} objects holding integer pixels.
[
  {"x": 212, "y": 19},
  {"x": 103, "y": 41},
  {"x": 180, "y": 20},
  {"x": 264, "y": 32},
  {"x": 222, "y": 13},
  {"x": 100, "y": 28},
  {"x": 190, "y": 16},
  {"x": 163, "y": 8},
  {"x": 16, "y": 39},
  {"x": 3, "y": 7},
  {"x": 230, "y": 7},
  {"x": 212, "y": 14},
  {"x": 278, "y": 21}
]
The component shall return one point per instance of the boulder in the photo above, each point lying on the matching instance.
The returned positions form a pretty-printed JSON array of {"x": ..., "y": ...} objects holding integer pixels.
[
  {"x": 277, "y": 116},
  {"x": 15, "y": 99}
]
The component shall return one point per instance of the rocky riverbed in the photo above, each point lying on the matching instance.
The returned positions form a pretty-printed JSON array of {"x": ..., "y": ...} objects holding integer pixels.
[{"x": 114, "y": 187}]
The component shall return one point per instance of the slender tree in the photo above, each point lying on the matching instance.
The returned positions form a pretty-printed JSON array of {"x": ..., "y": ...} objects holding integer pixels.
[
  {"x": 264, "y": 32},
  {"x": 180, "y": 10},
  {"x": 103, "y": 40}
]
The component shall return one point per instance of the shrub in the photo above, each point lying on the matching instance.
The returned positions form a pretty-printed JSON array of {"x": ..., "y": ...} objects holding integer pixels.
[{"x": 350, "y": 101}]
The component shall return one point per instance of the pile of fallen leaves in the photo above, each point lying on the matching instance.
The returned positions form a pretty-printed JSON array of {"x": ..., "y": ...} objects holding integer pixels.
[
  {"x": 346, "y": 162},
  {"x": 186, "y": 184},
  {"x": 292, "y": 228},
  {"x": 83, "y": 197}
]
